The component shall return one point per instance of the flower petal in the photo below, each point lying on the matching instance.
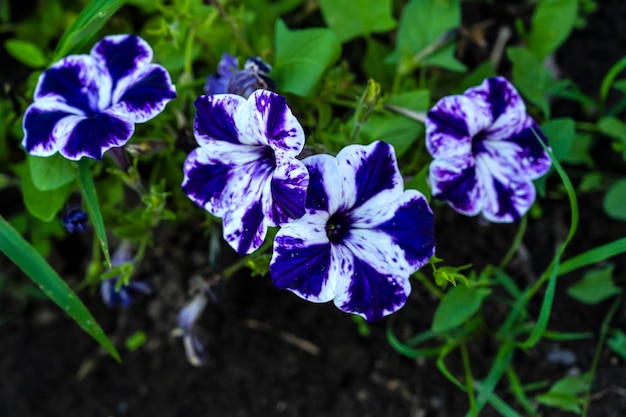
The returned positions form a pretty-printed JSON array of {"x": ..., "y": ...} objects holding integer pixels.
[
  {"x": 39, "y": 122},
  {"x": 223, "y": 117},
  {"x": 124, "y": 56},
  {"x": 370, "y": 174},
  {"x": 455, "y": 181},
  {"x": 325, "y": 192},
  {"x": 78, "y": 136},
  {"x": 301, "y": 259},
  {"x": 78, "y": 82},
  {"x": 288, "y": 191},
  {"x": 246, "y": 227},
  {"x": 507, "y": 194},
  {"x": 275, "y": 125},
  {"x": 452, "y": 123},
  {"x": 218, "y": 177},
  {"x": 365, "y": 291},
  {"x": 399, "y": 236},
  {"x": 532, "y": 159},
  {"x": 146, "y": 96},
  {"x": 506, "y": 107}
]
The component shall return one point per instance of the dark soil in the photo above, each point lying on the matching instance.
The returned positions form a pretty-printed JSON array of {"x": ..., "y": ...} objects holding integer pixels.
[{"x": 272, "y": 354}]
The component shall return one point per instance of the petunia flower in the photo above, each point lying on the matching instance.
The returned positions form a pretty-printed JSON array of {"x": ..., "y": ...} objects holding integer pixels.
[
  {"x": 245, "y": 170},
  {"x": 87, "y": 104},
  {"x": 486, "y": 152},
  {"x": 229, "y": 80},
  {"x": 361, "y": 238}
]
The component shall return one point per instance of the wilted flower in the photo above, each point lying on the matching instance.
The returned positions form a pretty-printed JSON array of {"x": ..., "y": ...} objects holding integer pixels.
[
  {"x": 361, "y": 238},
  {"x": 229, "y": 80},
  {"x": 87, "y": 104},
  {"x": 194, "y": 348},
  {"x": 245, "y": 170},
  {"x": 486, "y": 152},
  {"x": 127, "y": 293},
  {"x": 75, "y": 220}
]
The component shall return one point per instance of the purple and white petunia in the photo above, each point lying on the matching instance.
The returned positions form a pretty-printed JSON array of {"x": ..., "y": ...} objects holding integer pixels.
[
  {"x": 245, "y": 170},
  {"x": 485, "y": 152},
  {"x": 87, "y": 104},
  {"x": 361, "y": 238}
]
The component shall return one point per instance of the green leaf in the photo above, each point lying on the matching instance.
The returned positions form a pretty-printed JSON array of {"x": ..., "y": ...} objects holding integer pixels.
[
  {"x": 86, "y": 25},
  {"x": 90, "y": 198},
  {"x": 614, "y": 128},
  {"x": 26, "y": 52},
  {"x": 617, "y": 343},
  {"x": 530, "y": 76},
  {"x": 560, "y": 133},
  {"x": 422, "y": 25},
  {"x": 546, "y": 36},
  {"x": 596, "y": 286},
  {"x": 51, "y": 172},
  {"x": 352, "y": 18},
  {"x": 302, "y": 57},
  {"x": 578, "y": 152},
  {"x": 396, "y": 129},
  {"x": 44, "y": 205},
  {"x": 22, "y": 254},
  {"x": 564, "y": 394},
  {"x": 457, "y": 306},
  {"x": 615, "y": 200},
  {"x": 374, "y": 63}
]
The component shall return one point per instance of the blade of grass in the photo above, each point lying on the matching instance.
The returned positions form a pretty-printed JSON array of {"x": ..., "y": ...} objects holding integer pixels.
[
  {"x": 90, "y": 197},
  {"x": 518, "y": 391},
  {"x": 604, "y": 329},
  {"x": 469, "y": 380},
  {"x": 499, "y": 367},
  {"x": 607, "y": 82},
  {"x": 87, "y": 24},
  {"x": 546, "y": 308},
  {"x": 617, "y": 247},
  {"x": 499, "y": 404},
  {"x": 20, "y": 252}
]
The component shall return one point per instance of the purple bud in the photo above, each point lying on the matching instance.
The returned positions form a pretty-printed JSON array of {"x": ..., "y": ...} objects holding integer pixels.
[{"x": 75, "y": 220}]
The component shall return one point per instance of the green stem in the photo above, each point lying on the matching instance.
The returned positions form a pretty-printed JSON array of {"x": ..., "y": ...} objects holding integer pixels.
[
  {"x": 428, "y": 284},
  {"x": 469, "y": 380},
  {"x": 598, "y": 351},
  {"x": 516, "y": 242}
]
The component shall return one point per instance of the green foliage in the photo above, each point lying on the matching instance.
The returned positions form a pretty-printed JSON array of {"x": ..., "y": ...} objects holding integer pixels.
[
  {"x": 458, "y": 305},
  {"x": 397, "y": 129},
  {"x": 546, "y": 36},
  {"x": 561, "y": 133},
  {"x": 136, "y": 340},
  {"x": 531, "y": 77},
  {"x": 302, "y": 57},
  {"x": 87, "y": 24},
  {"x": 615, "y": 200},
  {"x": 617, "y": 343},
  {"x": 565, "y": 394},
  {"x": 43, "y": 205},
  {"x": 51, "y": 172},
  {"x": 352, "y": 18},
  {"x": 596, "y": 286},
  {"x": 422, "y": 35},
  {"x": 26, "y": 52}
]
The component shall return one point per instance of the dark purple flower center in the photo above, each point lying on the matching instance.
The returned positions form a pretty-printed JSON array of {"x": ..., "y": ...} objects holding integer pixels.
[
  {"x": 338, "y": 227},
  {"x": 478, "y": 142}
]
